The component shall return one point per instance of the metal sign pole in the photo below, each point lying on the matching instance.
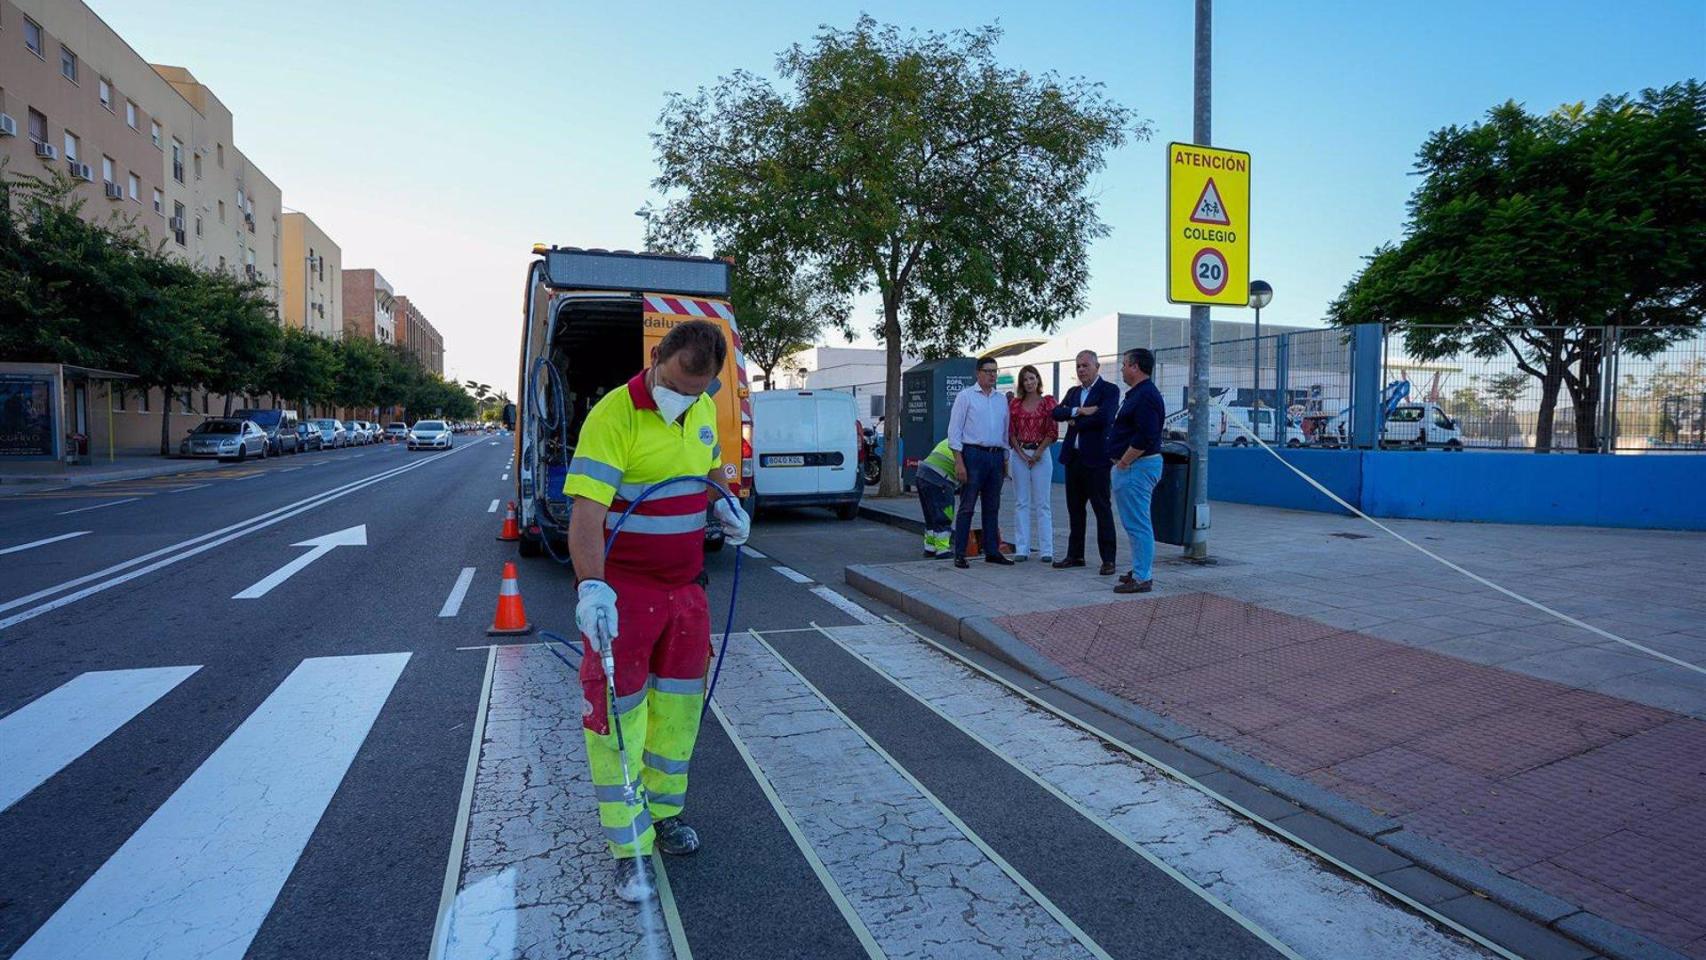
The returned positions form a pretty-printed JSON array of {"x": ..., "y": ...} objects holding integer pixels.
[{"x": 1201, "y": 331}]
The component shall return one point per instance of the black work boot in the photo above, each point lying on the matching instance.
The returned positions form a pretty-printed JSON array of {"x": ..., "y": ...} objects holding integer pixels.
[
  {"x": 675, "y": 837},
  {"x": 634, "y": 881}
]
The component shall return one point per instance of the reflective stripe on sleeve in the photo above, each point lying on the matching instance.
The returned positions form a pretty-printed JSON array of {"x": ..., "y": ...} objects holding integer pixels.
[{"x": 595, "y": 470}]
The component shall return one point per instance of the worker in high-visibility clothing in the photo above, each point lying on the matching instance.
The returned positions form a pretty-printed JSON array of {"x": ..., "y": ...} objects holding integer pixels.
[
  {"x": 936, "y": 489},
  {"x": 646, "y": 601}
]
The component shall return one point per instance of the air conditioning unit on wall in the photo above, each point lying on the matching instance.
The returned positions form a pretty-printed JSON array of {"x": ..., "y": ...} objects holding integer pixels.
[
  {"x": 115, "y": 192},
  {"x": 80, "y": 171},
  {"x": 177, "y": 224},
  {"x": 8, "y": 126},
  {"x": 46, "y": 151}
]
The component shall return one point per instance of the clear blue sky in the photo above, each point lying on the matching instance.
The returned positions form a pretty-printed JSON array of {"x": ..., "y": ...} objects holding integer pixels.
[{"x": 437, "y": 141}]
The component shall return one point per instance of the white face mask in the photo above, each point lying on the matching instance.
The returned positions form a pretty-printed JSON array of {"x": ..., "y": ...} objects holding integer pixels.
[{"x": 671, "y": 404}]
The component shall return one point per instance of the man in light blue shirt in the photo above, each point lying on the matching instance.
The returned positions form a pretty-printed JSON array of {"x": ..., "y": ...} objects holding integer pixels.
[{"x": 977, "y": 433}]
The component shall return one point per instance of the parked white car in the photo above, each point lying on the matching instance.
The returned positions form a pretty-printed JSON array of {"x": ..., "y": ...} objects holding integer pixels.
[{"x": 805, "y": 450}]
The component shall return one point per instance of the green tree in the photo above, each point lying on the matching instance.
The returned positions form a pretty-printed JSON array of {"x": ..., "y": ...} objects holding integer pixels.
[
  {"x": 912, "y": 164},
  {"x": 1530, "y": 234},
  {"x": 246, "y": 336},
  {"x": 360, "y": 377},
  {"x": 307, "y": 370},
  {"x": 782, "y": 312}
]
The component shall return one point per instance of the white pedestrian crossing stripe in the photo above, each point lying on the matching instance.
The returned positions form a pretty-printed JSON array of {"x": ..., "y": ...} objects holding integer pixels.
[
  {"x": 42, "y": 737},
  {"x": 199, "y": 877}
]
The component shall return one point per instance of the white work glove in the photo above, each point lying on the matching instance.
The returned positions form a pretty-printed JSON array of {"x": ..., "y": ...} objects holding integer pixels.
[
  {"x": 737, "y": 526},
  {"x": 595, "y": 613}
]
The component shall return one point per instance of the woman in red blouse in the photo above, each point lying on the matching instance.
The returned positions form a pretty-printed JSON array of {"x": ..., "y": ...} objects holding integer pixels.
[{"x": 1031, "y": 432}]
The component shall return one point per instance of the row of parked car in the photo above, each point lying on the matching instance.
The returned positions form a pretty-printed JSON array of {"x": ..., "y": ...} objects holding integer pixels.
[{"x": 264, "y": 433}]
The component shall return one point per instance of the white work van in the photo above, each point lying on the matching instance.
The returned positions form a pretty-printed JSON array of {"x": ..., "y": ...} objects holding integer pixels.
[
  {"x": 806, "y": 446},
  {"x": 1415, "y": 426}
]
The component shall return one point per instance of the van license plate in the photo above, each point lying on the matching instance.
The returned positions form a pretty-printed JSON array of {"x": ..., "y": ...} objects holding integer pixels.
[{"x": 785, "y": 460}]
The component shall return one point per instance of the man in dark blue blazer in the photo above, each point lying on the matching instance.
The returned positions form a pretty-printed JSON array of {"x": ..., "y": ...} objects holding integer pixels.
[{"x": 1088, "y": 409}]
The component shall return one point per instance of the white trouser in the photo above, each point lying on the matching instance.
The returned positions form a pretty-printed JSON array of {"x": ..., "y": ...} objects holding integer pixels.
[{"x": 1034, "y": 485}]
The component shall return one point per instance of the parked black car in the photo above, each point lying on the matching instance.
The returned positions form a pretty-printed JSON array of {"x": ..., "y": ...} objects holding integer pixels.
[{"x": 308, "y": 436}]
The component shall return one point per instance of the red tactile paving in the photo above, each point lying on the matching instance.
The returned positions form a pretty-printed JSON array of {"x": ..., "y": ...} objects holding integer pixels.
[{"x": 1596, "y": 799}]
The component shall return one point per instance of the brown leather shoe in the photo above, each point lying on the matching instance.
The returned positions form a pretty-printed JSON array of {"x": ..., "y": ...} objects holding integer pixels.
[
  {"x": 1068, "y": 562},
  {"x": 1134, "y": 586},
  {"x": 1107, "y": 570}
]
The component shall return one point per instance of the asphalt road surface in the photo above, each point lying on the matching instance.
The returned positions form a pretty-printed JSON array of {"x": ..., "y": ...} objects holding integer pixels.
[{"x": 254, "y": 712}]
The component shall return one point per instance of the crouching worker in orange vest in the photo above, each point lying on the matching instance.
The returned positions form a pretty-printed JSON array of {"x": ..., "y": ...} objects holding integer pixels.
[{"x": 646, "y": 602}]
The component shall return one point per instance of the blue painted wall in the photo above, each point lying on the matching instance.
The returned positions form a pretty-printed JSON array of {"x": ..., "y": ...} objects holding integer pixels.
[{"x": 1642, "y": 491}]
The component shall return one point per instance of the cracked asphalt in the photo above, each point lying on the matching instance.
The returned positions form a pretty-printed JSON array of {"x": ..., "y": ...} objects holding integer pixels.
[{"x": 858, "y": 792}]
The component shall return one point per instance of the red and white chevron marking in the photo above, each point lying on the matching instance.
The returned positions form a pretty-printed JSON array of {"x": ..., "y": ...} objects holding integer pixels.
[{"x": 689, "y": 307}]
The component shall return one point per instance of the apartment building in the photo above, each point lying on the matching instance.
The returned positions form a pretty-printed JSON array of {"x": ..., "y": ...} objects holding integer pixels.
[
  {"x": 417, "y": 336},
  {"x": 144, "y": 143},
  {"x": 312, "y": 273},
  {"x": 368, "y": 305}
]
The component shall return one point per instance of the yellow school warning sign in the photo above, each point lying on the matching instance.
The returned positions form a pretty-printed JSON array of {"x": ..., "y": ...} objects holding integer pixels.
[{"x": 1208, "y": 225}]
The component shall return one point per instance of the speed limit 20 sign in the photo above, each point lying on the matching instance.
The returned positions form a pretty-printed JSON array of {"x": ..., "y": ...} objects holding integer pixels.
[{"x": 1208, "y": 225}]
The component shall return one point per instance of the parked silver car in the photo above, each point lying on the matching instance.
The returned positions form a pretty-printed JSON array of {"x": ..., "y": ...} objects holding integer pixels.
[
  {"x": 225, "y": 439},
  {"x": 332, "y": 432},
  {"x": 360, "y": 432},
  {"x": 430, "y": 435}
]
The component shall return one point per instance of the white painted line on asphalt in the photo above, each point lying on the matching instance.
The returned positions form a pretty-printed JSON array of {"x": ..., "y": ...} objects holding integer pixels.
[
  {"x": 109, "y": 503},
  {"x": 233, "y": 831},
  {"x": 355, "y": 536},
  {"x": 459, "y": 835},
  {"x": 63, "y": 536},
  {"x": 195, "y": 545},
  {"x": 504, "y": 477},
  {"x": 42, "y": 737},
  {"x": 241, "y": 479},
  {"x": 847, "y": 606},
  {"x": 493, "y": 508},
  {"x": 290, "y": 469},
  {"x": 193, "y": 486},
  {"x": 453, "y": 603},
  {"x": 1019, "y": 879},
  {"x": 754, "y": 553},
  {"x": 792, "y": 574},
  {"x": 836, "y": 896}
]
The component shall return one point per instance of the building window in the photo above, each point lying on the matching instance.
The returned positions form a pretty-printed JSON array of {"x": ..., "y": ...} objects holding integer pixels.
[
  {"x": 154, "y": 131},
  {"x": 70, "y": 145},
  {"x": 219, "y": 154},
  {"x": 198, "y": 225},
  {"x": 106, "y": 93},
  {"x": 118, "y": 394},
  {"x": 221, "y": 264},
  {"x": 178, "y": 224},
  {"x": 38, "y": 126},
  {"x": 159, "y": 202},
  {"x": 67, "y": 63},
  {"x": 130, "y": 113},
  {"x": 135, "y": 187},
  {"x": 142, "y": 399},
  {"x": 32, "y": 37},
  {"x": 177, "y": 160},
  {"x": 204, "y": 401},
  {"x": 222, "y": 211},
  {"x": 107, "y": 170}
]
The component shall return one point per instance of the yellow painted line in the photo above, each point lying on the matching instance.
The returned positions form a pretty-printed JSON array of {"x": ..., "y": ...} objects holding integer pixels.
[
  {"x": 1079, "y": 808},
  {"x": 459, "y": 837},
  {"x": 671, "y": 916},
  {"x": 842, "y": 904},
  {"x": 1224, "y": 801},
  {"x": 953, "y": 818}
]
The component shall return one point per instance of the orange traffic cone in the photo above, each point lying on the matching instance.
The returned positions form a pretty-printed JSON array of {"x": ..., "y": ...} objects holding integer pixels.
[
  {"x": 510, "y": 530},
  {"x": 511, "y": 617}
]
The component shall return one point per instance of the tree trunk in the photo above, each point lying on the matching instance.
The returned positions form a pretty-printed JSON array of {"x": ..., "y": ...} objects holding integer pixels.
[
  {"x": 1584, "y": 392},
  {"x": 165, "y": 420},
  {"x": 889, "y": 483},
  {"x": 769, "y": 377},
  {"x": 1549, "y": 387}
]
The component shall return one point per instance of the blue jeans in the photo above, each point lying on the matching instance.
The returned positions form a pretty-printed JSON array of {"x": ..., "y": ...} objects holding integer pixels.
[
  {"x": 1133, "y": 489},
  {"x": 985, "y": 469}
]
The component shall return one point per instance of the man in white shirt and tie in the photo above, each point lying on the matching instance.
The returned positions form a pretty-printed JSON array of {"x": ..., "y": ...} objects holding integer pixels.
[{"x": 977, "y": 433}]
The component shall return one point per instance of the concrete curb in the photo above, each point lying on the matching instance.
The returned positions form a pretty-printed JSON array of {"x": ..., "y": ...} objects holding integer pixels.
[
  {"x": 1527, "y": 920},
  {"x": 47, "y": 484}
]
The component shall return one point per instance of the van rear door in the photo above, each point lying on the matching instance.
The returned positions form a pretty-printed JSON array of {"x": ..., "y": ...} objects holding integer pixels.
[
  {"x": 838, "y": 443},
  {"x": 785, "y": 444}
]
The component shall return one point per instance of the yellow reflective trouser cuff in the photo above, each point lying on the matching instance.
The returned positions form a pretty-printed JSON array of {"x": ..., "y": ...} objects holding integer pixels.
[
  {"x": 627, "y": 827},
  {"x": 673, "y": 725}
]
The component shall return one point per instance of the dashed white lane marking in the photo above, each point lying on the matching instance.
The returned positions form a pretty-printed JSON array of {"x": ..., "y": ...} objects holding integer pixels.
[
  {"x": 42, "y": 737},
  {"x": 290, "y": 469},
  {"x": 504, "y": 477},
  {"x": 792, "y": 574},
  {"x": 109, "y": 503},
  {"x": 493, "y": 508},
  {"x": 233, "y": 831},
  {"x": 193, "y": 486},
  {"x": 453, "y": 603},
  {"x": 847, "y": 606},
  {"x": 754, "y": 553},
  {"x": 43, "y": 543}
]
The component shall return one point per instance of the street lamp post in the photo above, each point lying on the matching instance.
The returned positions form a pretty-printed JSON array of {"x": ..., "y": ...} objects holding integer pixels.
[{"x": 1261, "y": 294}]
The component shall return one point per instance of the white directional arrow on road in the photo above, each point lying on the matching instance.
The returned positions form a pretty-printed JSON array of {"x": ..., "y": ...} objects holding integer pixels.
[{"x": 355, "y": 536}]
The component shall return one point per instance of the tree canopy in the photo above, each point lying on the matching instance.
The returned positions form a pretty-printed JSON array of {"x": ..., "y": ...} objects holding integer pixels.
[
  {"x": 1533, "y": 233},
  {"x": 914, "y": 165}
]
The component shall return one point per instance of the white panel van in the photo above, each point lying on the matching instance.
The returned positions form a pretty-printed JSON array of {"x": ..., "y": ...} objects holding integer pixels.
[{"x": 805, "y": 450}]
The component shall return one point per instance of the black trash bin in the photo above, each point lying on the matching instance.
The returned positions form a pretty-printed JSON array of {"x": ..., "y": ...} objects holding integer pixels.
[{"x": 1170, "y": 510}]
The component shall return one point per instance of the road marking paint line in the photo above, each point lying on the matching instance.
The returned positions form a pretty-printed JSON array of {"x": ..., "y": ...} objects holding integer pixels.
[
  {"x": 42, "y": 543},
  {"x": 289, "y": 469},
  {"x": 355, "y": 536},
  {"x": 45, "y": 735},
  {"x": 233, "y": 831},
  {"x": 241, "y": 479},
  {"x": 1227, "y": 802},
  {"x": 844, "y": 605},
  {"x": 792, "y": 574},
  {"x": 110, "y": 503},
  {"x": 504, "y": 477},
  {"x": 950, "y": 816},
  {"x": 671, "y": 915},
  {"x": 754, "y": 553},
  {"x": 493, "y": 508},
  {"x": 836, "y": 895},
  {"x": 193, "y": 486},
  {"x": 197, "y": 545},
  {"x": 459, "y": 835},
  {"x": 453, "y": 603},
  {"x": 1078, "y": 808}
]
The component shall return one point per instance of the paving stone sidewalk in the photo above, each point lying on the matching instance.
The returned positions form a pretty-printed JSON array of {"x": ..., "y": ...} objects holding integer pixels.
[{"x": 1330, "y": 651}]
